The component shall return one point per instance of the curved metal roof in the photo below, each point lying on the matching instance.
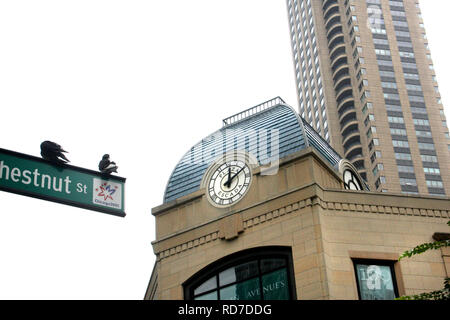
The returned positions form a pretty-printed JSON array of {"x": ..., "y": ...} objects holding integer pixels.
[{"x": 255, "y": 130}]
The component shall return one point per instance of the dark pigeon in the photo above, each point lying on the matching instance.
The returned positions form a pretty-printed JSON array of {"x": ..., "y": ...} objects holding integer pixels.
[
  {"x": 53, "y": 152},
  {"x": 106, "y": 166}
]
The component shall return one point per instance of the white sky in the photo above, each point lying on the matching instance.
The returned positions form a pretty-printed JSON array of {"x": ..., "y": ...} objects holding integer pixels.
[{"x": 143, "y": 81}]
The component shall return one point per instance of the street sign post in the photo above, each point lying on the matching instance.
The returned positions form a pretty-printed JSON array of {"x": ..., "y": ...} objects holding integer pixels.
[{"x": 79, "y": 187}]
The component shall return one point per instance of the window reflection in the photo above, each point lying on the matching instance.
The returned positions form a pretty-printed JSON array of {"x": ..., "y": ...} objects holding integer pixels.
[
  {"x": 206, "y": 286},
  {"x": 375, "y": 282},
  {"x": 238, "y": 273},
  {"x": 258, "y": 279}
]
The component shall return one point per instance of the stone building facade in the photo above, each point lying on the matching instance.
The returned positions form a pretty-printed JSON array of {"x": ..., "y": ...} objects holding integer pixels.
[{"x": 297, "y": 234}]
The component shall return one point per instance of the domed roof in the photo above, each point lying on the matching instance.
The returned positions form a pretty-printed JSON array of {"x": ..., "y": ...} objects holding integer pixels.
[{"x": 249, "y": 131}]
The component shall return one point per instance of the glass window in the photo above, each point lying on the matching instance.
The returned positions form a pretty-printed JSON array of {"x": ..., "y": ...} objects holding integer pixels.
[
  {"x": 408, "y": 182},
  {"x": 265, "y": 276},
  {"x": 208, "y": 296},
  {"x": 434, "y": 184},
  {"x": 407, "y": 169},
  {"x": 375, "y": 281},
  {"x": 403, "y": 156},
  {"x": 247, "y": 290},
  {"x": 206, "y": 286},
  {"x": 400, "y": 143},
  {"x": 427, "y": 158},
  {"x": 272, "y": 264},
  {"x": 434, "y": 171},
  {"x": 239, "y": 273},
  {"x": 274, "y": 285}
]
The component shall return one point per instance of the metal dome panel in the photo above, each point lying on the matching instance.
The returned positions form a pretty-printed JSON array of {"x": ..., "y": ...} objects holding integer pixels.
[{"x": 256, "y": 131}]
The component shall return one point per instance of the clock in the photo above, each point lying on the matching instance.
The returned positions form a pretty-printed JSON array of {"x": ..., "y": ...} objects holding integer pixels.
[
  {"x": 351, "y": 181},
  {"x": 228, "y": 183}
]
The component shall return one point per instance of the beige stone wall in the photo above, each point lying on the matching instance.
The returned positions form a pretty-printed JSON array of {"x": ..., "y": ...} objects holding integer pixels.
[
  {"x": 356, "y": 234},
  {"x": 294, "y": 225},
  {"x": 446, "y": 257}
]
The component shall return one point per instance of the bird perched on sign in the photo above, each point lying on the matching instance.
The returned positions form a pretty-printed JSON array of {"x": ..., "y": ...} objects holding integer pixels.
[
  {"x": 53, "y": 152},
  {"x": 107, "y": 166}
]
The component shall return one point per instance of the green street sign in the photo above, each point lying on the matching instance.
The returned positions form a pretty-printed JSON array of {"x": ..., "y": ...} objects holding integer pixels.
[{"x": 35, "y": 177}]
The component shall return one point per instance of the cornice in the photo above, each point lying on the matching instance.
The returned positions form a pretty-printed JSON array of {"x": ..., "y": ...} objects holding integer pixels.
[{"x": 319, "y": 199}]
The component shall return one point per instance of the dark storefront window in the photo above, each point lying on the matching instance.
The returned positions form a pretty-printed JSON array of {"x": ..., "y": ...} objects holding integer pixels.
[{"x": 261, "y": 274}]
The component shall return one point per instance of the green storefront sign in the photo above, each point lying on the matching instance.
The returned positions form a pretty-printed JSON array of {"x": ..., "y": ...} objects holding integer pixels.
[
  {"x": 35, "y": 177},
  {"x": 274, "y": 286}
]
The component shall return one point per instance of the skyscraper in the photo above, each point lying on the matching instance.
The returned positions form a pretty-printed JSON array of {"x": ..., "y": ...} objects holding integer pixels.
[{"x": 366, "y": 82}]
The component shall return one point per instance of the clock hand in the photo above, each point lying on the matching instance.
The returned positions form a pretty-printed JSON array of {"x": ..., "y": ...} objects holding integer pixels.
[
  {"x": 237, "y": 173},
  {"x": 228, "y": 182}
]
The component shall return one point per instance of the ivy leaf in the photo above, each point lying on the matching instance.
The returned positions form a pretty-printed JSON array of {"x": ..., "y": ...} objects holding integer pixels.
[{"x": 425, "y": 247}]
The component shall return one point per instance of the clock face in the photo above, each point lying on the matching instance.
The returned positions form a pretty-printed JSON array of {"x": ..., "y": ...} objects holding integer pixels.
[
  {"x": 229, "y": 183},
  {"x": 351, "y": 182}
]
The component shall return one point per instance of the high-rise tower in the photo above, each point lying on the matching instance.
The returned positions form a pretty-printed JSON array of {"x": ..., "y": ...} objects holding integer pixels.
[{"x": 366, "y": 82}]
